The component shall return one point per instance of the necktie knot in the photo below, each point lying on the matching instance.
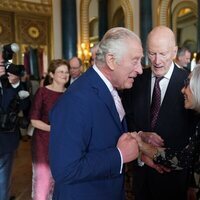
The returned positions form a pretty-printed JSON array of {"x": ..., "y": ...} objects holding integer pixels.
[
  {"x": 158, "y": 79},
  {"x": 118, "y": 104}
]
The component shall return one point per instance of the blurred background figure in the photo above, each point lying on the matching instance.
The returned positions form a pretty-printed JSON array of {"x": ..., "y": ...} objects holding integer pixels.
[
  {"x": 13, "y": 100},
  {"x": 195, "y": 61},
  {"x": 75, "y": 71},
  {"x": 183, "y": 58},
  {"x": 42, "y": 181}
]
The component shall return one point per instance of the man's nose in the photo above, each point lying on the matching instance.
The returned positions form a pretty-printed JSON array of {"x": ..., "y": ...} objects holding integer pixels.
[{"x": 139, "y": 69}]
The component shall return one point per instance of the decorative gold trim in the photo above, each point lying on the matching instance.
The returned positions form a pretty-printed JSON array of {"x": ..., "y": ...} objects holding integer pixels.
[
  {"x": 158, "y": 12},
  {"x": 164, "y": 17},
  {"x": 84, "y": 21},
  {"x": 33, "y": 32},
  {"x": 127, "y": 8},
  {"x": 178, "y": 7},
  {"x": 168, "y": 13},
  {"x": 10, "y": 5},
  {"x": 1, "y": 29},
  {"x": 84, "y": 18}
]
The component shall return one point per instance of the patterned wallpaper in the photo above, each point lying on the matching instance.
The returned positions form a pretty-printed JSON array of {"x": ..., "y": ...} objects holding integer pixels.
[
  {"x": 32, "y": 30},
  {"x": 19, "y": 23},
  {"x": 6, "y": 27}
]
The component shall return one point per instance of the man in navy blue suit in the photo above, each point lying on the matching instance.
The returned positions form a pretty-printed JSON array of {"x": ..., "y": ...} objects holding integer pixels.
[{"x": 89, "y": 141}]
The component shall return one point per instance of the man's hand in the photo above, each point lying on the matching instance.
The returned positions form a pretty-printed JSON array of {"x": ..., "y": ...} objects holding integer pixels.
[{"x": 128, "y": 147}]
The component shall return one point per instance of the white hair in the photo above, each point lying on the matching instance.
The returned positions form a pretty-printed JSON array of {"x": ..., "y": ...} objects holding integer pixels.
[
  {"x": 195, "y": 87},
  {"x": 115, "y": 42}
]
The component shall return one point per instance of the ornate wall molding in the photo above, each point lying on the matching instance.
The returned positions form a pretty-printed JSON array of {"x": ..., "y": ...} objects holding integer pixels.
[
  {"x": 6, "y": 27},
  {"x": 178, "y": 7},
  {"x": 84, "y": 18},
  {"x": 17, "y": 6},
  {"x": 164, "y": 12},
  {"x": 84, "y": 21},
  {"x": 128, "y": 13},
  {"x": 32, "y": 30}
]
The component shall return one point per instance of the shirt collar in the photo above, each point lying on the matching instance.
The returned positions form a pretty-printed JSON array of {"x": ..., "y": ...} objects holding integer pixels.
[
  {"x": 105, "y": 80},
  {"x": 178, "y": 65},
  {"x": 15, "y": 85},
  {"x": 168, "y": 74}
]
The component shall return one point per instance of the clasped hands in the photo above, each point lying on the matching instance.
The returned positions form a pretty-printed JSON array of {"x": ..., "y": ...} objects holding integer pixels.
[{"x": 145, "y": 145}]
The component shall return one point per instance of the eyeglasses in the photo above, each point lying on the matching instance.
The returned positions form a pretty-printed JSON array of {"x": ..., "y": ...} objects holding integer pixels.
[
  {"x": 74, "y": 68},
  {"x": 186, "y": 82},
  {"x": 62, "y": 72}
]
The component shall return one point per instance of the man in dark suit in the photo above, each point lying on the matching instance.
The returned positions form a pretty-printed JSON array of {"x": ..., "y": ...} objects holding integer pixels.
[
  {"x": 75, "y": 69},
  {"x": 88, "y": 140},
  {"x": 183, "y": 58},
  {"x": 173, "y": 121}
]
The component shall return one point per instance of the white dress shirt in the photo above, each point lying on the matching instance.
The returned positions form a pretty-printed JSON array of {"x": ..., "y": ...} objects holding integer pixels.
[
  {"x": 163, "y": 83},
  {"x": 110, "y": 87}
]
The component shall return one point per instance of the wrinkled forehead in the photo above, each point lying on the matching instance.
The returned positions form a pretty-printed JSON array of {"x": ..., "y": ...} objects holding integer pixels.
[{"x": 160, "y": 45}]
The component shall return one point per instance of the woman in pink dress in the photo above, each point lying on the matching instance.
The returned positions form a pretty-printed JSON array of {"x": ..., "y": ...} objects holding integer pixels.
[{"x": 45, "y": 98}]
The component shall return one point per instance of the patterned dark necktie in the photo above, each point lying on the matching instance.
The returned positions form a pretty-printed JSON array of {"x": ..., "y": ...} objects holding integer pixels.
[{"x": 156, "y": 102}]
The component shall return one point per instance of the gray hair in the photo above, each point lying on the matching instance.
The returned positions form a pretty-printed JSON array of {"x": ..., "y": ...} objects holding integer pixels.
[
  {"x": 115, "y": 42},
  {"x": 182, "y": 50},
  {"x": 195, "y": 87}
]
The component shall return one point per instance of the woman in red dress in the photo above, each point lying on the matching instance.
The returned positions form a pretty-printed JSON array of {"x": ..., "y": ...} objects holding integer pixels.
[{"x": 45, "y": 98}]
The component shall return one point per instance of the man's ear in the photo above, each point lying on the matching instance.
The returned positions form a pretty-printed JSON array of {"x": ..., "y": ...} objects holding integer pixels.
[
  {"x": 81, "y": 68},
  {"x": 175, "y": 52},
  {"x": 110, "y": 60}
]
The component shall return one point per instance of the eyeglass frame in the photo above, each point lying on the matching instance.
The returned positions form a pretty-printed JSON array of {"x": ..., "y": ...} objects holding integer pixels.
[{"x": 75, "y": 68}]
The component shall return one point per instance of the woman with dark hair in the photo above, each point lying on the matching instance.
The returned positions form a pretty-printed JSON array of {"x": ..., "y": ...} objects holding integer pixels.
[{"x": 45, "y": 98}]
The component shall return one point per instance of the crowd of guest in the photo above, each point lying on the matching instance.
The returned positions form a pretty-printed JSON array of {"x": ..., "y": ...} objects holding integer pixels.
[{"x": 75, "y": 112}]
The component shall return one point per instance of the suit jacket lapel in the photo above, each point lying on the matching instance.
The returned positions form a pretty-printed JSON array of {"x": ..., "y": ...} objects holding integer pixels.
[
  {"x": 171, "y": 92},
  {"x": 104, "y": 94},
  {"x": 146, "y": 88}
]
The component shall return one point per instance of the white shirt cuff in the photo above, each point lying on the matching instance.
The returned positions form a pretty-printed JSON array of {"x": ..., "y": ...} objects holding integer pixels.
[{"x": 121, "y": 161}]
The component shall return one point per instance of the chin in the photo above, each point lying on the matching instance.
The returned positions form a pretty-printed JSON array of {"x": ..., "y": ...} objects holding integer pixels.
[
  {"x": 188, "y": 106},
  {"x": 128, "y": 86}
]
